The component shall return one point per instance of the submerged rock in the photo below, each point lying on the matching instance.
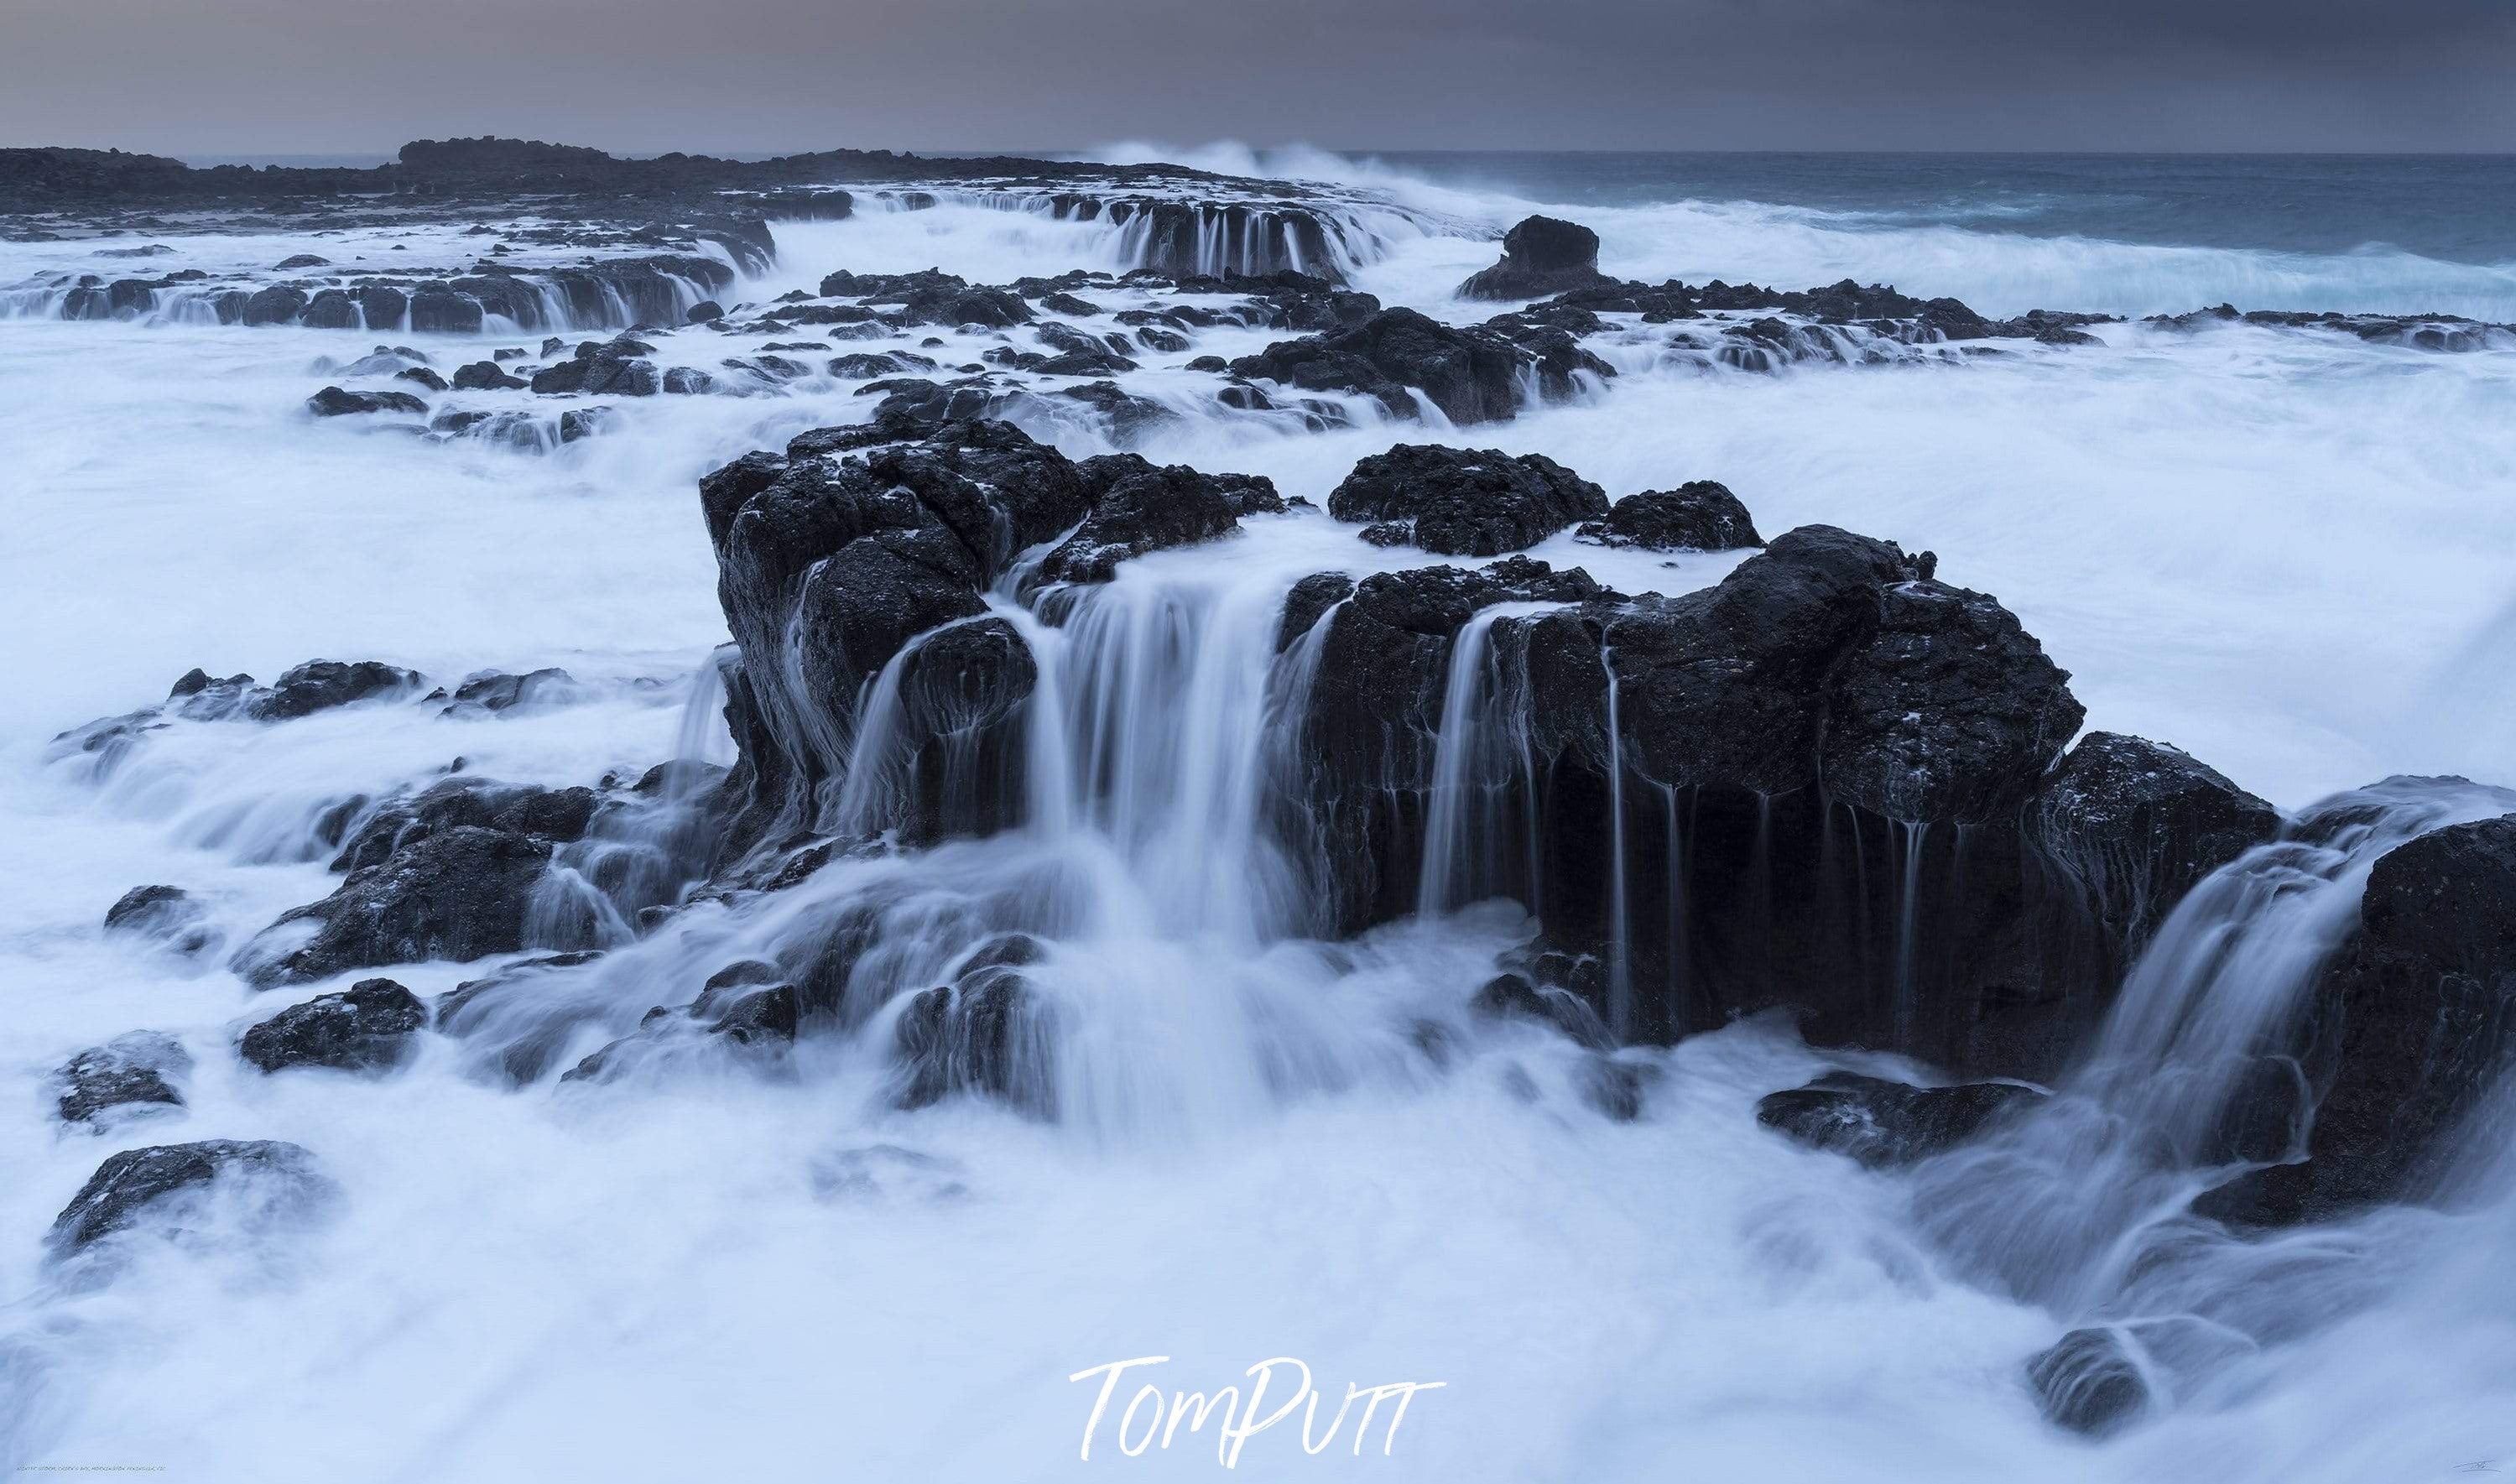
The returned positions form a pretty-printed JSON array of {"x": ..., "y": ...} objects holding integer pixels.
[
  {"x": 493, "y": 691},
  {"x": 366, "y": 1028},
  {"x": 167, "y": 914},
  {"x": 461, "y": 893},
  {"x": 132, "y": 1072},
  {"x": 334, "y": 401},
  {"x": 1882, "y": 1124},
  {"x": 319, "y": 685},
  {"x": 745, "y": 1006},
  {"x": 986, "y": 1033},
  {"x": 140, "y": 1185},
  {"x": 1514, "y": 996},
  {"x": 2088, "y": 1383}
]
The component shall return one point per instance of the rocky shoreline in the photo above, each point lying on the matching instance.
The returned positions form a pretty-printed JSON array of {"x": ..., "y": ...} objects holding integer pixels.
[
  {"x": 1827, "y": 788},
  {"x": 1851, "y": 778}
]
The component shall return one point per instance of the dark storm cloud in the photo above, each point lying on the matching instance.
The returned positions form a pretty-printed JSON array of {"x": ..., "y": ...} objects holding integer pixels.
[{"x": 347, "y": 75}]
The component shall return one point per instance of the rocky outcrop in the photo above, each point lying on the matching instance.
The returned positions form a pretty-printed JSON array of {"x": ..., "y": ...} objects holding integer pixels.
[
  {"x": 142, "y": 1185},
  {"x": 1698, "y": 515},
  {"x": 615, "y": 367},
  {"x": 2409, "y": 1028},
  {"x": 487, "y": 376},
  {"x": 368, "y": 1027},
  {"x": 1826, "y": 784},
  {"x": 835, "y": 556},
  {"x": 1235, "y": 239},
  {"x": 1821, "y": 759},
  {"x": 1475, "y": 502},
  {"x": 1540, "y": 256},
  {"x": 853, "y": 546},
  {"x": 1369, "y": 736}
]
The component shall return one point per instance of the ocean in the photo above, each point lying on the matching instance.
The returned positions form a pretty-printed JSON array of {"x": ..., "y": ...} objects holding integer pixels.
[{"x": 2287, "y": 551}]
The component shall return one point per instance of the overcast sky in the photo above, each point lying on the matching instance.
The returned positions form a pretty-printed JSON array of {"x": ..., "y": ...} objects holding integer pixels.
[{"x": 200, "y": 77}]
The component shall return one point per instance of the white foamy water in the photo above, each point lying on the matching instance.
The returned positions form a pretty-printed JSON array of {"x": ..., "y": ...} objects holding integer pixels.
[{"x": 2287, "y": 553}]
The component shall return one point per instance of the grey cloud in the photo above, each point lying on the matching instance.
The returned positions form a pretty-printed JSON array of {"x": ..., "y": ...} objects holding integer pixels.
[{"x": 339, "y": 75}]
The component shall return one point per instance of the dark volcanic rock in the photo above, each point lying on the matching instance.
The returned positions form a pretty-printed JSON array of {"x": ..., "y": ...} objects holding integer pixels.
[
  {"x": 1698, "y": 515},
  {"x": 333, "y": 402},
  {"x": 557, "y": 815},
  {"x": 1144, "y": 509},
  {"x": 139, "y": 1184},
  {"x": 1882, "y": 1124},
  {"x": 2088, "y": 1383},
  {"x": 929, "y": 297},
  {"x": 276, "y": 305},
  {"x": 1477, "y": 502},
  {"x": 1824, "y": 657},
  {"x": 2137, "y": 824},
  {"x": 1946, "y": 710},
  {"x": 461, "y": 893},
  {"x": 1540, "y": 256},
  {"x": 2409, "y": 1028},
  {"x": 484, "y": 376},
  {"x": 744, "y": 1005},
  {"x": 133, "y": 1070},
  {"x": 366, "y": 1028},
  {"x": 318, "y": 685},
  {"x": 1472, "y": 375},
  {"x": 986, "y": 1033},
  {"x": 851, "y": 546},
  {"x": 617, "y": 367},
  {"x": 164, "y": 913},
  {"x": 1794, "y": 744},
  {"x": 1383, "y": 659},
  {"x": 494, "y": 690}
]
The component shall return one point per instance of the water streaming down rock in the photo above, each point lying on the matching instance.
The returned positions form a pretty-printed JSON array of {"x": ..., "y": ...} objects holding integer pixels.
[
  {"x": 1262, "y": 760},
  {"x": 1483, "y": 764},
  {"x": 2208, "y": 1067},
  {"x": 491, "y": 298},
  {"x": 1048, "y": 959}
]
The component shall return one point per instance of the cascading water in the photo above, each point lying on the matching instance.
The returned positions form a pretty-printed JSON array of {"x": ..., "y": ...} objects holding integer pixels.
[
  {"x": 2083, "y": 1204},
  {"x": 1482, "y": 763},
  {"x": 1233, "y": 1133}
]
